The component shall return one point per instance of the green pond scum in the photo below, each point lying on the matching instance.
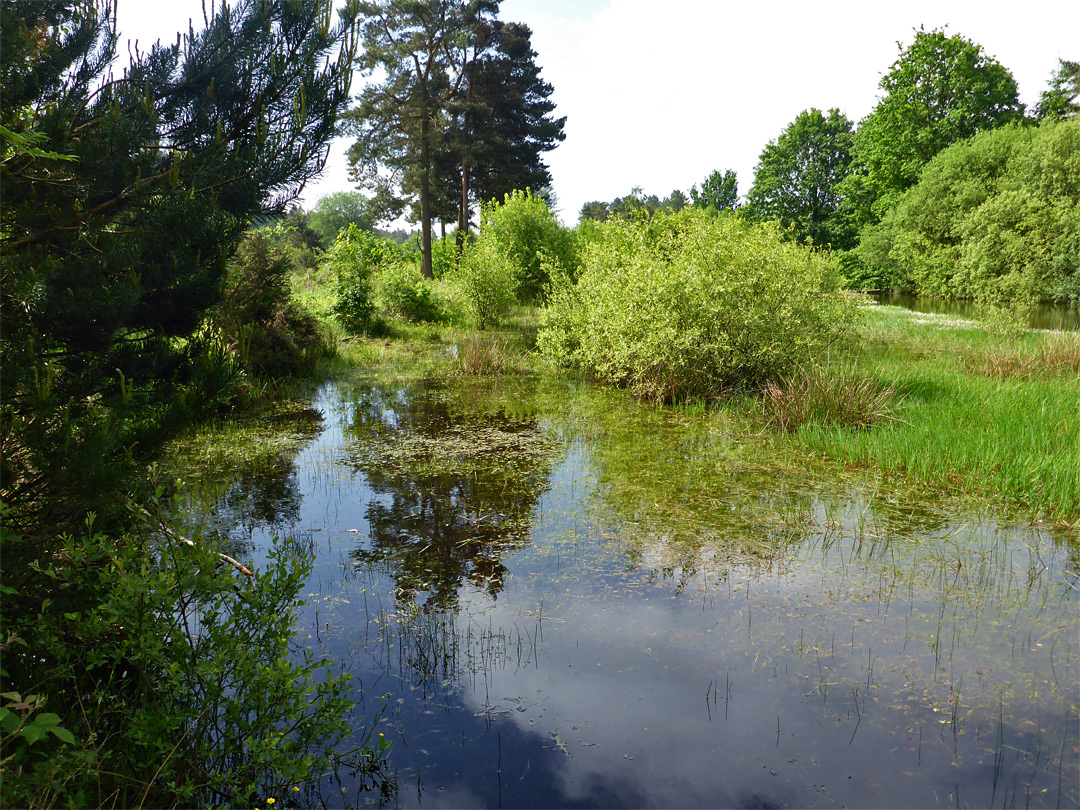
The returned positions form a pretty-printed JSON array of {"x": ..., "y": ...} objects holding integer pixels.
[{"x": 548, "y": 593}]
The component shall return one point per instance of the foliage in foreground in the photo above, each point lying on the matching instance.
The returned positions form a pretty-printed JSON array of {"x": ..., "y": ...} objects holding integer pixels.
[
  {"x": 118, "y": 224},
  {"x": 165, "y": 677},
  {"x": 690, "y": 304}
]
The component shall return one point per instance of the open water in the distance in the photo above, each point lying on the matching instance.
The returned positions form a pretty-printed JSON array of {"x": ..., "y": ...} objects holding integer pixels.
[
  {"x": 1042, "y": 316},
  {"x": 557, "y": 597}
]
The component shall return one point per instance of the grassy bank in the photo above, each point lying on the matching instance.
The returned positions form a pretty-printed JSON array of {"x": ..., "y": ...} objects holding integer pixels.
[{"x": 978, "y": 411}]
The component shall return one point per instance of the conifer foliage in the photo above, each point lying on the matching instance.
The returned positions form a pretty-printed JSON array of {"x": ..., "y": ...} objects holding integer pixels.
[{"x": 125, "y": 194}]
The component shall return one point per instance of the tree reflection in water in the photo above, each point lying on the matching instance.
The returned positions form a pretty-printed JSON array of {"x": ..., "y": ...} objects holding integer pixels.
[{"x": 458, "y": 487}]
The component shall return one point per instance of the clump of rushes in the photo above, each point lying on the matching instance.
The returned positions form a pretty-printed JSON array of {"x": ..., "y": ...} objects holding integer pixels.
[
  {"x": 1057, "y": 355},
  {"x": 826, "y": 396},
  {"x": 480, "y": 355}
]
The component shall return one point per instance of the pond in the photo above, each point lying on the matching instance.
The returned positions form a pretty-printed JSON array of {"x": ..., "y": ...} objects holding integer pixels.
[
  {"x": 553, "y": 596},
  {"x": 1042, "y": 316}
]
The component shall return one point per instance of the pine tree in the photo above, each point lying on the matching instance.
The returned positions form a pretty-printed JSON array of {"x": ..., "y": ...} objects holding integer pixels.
[{"x": 124, "y": 198}]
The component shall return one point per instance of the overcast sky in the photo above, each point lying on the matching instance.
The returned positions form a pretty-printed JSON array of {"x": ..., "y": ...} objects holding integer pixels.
[{"x": 659, "y": 93}]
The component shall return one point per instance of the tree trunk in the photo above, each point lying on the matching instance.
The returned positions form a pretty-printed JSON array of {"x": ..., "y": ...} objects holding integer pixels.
[
  {"x": 425, "y": 194},
  {"x": 463, "y": 208}
]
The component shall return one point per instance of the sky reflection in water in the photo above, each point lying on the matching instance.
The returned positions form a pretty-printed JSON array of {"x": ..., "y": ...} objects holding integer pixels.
[{"x": 498, "y": 571}]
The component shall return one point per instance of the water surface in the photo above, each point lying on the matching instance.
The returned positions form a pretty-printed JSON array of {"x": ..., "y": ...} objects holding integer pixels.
[{"x": 555, "y": 596}]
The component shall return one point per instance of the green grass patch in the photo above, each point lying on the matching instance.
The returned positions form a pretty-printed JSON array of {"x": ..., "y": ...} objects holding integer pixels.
[{"x": 1013, "y": 438}]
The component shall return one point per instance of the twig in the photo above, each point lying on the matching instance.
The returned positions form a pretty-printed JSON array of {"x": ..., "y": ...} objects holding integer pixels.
[{"x": 239, "y": 566}]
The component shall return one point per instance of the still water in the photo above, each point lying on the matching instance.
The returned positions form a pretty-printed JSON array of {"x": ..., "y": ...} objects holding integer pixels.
[
  {"x": 550, "y": 596},
  {"x": 1041, "y": 316}
]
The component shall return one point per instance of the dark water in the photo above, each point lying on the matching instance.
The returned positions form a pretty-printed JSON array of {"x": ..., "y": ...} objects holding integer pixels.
[
  {"x": 1043, "y": 316},
  {"x": 556, "y": 597}
]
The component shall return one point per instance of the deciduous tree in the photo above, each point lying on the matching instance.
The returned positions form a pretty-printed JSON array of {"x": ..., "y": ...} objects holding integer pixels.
[
  {"x": 719, "y": 191},
  {"x": 942, "y": 89},
  {"x": 796, "y": 178}
]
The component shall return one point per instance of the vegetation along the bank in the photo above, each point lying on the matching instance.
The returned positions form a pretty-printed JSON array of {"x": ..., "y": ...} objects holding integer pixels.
[{"x": 154, "y": 277}]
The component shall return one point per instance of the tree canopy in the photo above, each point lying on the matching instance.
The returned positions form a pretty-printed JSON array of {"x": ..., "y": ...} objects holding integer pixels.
[
  {"x": 993, "y": 218},
  {"x": 336, "y": 211},
  {"x": 796, "y": 178},
  {"x": 111, "y": 255},
  {"x": 506, "y": 123},
  {"x": 718, "y": 191},
  {"x": 940, "y": 90},
  {"x": 461, "y": 113}
]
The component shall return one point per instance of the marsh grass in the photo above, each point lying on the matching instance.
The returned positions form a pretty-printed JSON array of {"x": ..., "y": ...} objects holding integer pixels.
[
  {"x": 1056, "y": 355},
  {"x": 484, "y": 355},
  {"x": 817, "y": 395},
  {"x": 1010, "y": 438}
]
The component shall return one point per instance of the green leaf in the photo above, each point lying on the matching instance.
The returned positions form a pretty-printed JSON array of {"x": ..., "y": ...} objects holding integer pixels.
[
  {"x": 63, "y": 735},
  {"x": 32, "y": 734},
  {"x": 9, "y": 721}
]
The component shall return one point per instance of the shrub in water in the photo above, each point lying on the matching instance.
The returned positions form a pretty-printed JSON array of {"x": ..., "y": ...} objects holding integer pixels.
[{"x": 689, "y": 305}]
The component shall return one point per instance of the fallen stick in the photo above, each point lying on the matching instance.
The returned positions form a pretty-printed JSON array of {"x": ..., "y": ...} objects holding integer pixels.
[{"x": 239, "y": 566}]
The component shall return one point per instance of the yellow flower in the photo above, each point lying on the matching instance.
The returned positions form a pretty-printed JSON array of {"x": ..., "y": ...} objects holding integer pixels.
[
  {"x": 296, "y": 789},
  {"x": 271, "y": 801}
]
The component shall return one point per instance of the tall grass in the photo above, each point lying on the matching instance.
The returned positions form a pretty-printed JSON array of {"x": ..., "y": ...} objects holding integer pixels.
[
  {"x": 822, "y": 396},
  {"x": 1007, "y": 437}
]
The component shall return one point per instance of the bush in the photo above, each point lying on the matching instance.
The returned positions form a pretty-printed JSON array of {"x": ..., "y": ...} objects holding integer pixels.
[
  {"x": 690, "y": 305},
  {"x": 403, "y": 292},
  {"x": 265, "y": 328},
  {"x": 485, "y": 281},
  {"x": 356, "y": 256},
  {"x": 532, "y": 240}
]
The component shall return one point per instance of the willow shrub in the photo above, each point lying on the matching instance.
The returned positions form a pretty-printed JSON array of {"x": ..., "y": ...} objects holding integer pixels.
[{"x": 689, "y": 305}]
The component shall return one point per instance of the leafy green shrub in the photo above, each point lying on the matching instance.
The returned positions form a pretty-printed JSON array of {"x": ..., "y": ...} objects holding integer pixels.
[
  {"x": 531, "y": 238},
  {"x": 995, "y": 218},
  {"x": 485, "y": 281},
  {"x": 691, "y": 305},
  {"x": 356, "y": 256},
  {"x": 403, "y": 292},
  {"x": 265, "y": 327},
  {"x": 444, "y": 254},
  {"x": 167, "y": 681}
]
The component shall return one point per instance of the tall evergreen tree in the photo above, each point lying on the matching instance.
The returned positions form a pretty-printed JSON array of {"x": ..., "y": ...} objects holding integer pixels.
[
  {"x": 461, "y": 116},
  {"x": 400, "y": 124},
  {"x": 124, "y": 197},
  {"x": 1061, "y": 99},
  {"x": 506, "y": 122}
]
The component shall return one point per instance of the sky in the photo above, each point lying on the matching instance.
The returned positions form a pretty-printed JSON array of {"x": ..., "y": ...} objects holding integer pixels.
[{"x": 659, "y": 93}]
